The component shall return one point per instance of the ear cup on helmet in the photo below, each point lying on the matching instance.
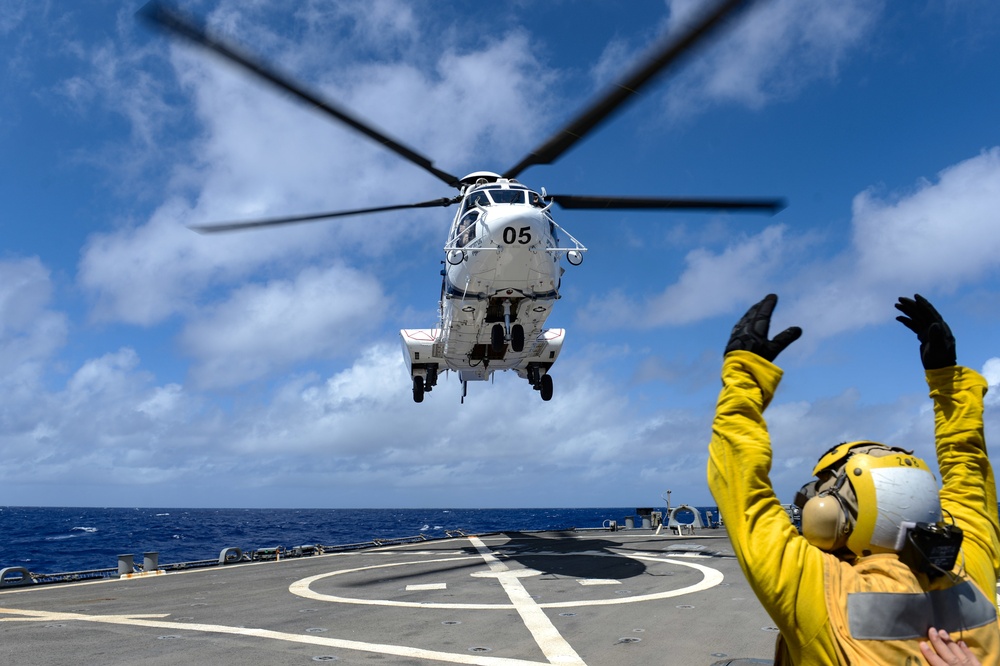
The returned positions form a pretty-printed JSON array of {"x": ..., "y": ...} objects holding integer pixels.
[{"x": 825, "y": 522}]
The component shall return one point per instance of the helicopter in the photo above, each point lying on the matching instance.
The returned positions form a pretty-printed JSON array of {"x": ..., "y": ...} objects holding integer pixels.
[{"x": 502, "y": 266}]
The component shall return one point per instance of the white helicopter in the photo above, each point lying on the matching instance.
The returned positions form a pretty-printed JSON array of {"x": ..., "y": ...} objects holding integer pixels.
[{"x": 503, "y": 254}]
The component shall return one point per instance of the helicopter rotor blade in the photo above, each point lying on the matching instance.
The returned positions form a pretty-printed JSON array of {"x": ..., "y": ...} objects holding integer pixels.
[
  {"x": 161, "y": 15},
  {"x": 588, "y": 202},
  {"x": 293, "y": 219},
  {"x": 620, "y": 92}
]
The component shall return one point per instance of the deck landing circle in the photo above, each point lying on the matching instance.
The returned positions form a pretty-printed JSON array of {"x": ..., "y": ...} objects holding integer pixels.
[{"x": 303, "y": 588}]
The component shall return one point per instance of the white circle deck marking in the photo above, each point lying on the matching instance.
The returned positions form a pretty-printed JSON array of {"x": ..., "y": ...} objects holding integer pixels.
[{"x": 303, "y": 588}]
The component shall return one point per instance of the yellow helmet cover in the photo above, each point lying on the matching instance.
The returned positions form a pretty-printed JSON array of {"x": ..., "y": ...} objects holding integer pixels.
[
  {"x": 892, "y": 487},
  {"x": 888, "y": 486}
]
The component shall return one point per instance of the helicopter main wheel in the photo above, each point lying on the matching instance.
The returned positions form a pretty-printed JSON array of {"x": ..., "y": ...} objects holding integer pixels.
[
  {"x": 517, "y": 338},
  {"x": 545, "y": 386},
  {"x": 497, "y": 338},
  {"x": 418, "y": 389}
]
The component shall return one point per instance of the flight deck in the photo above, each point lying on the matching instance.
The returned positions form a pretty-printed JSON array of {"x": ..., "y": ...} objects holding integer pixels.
[{"x": 514, "y": 598}]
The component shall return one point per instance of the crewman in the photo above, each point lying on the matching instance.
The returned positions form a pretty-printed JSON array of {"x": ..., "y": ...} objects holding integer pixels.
[{"x": 884, "y": 554}]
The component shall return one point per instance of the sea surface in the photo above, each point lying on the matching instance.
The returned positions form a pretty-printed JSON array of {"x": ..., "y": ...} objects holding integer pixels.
[{"x": 56, "y": 540}]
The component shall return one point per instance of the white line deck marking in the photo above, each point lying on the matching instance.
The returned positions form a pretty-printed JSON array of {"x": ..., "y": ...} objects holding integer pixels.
[
  {"x": 599, "y": 581},
  {"x": 555, "y": 648},
  {"x": 310, "y": 639},
  {"x": 427, "y": 586}
]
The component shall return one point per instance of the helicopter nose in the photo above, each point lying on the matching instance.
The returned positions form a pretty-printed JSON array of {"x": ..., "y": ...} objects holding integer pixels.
[{"x": 517, "y": 228}]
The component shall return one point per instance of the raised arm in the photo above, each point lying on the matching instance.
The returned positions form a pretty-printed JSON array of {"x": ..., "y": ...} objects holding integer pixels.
[
  {"x": 777, "y": 561},
  {"x": 969, "y": 489}
]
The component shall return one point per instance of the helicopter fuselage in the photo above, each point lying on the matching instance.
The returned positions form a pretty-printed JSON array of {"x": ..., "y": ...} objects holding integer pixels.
[{"x": 500, "y": 281}]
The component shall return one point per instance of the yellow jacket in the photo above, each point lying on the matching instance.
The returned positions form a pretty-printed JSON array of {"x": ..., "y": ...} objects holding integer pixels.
[{"x": 807, "y": 591}]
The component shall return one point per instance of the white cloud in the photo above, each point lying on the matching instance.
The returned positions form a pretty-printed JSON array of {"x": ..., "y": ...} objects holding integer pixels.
[
  {"x": 30, "y": 332},
  {"x": 108, "y": 424},
  {"x": 13, "y": 14},
  {"x": 937, "y": 238},
  {"x": 263, "y": 328},
  {"x": 711, "y": 284},
  {"x": 991, "y": 372},
  {"x": 780, "y": 47},
  {"x": 767, "y": 54},
  {"x": 944, "y": 233}
]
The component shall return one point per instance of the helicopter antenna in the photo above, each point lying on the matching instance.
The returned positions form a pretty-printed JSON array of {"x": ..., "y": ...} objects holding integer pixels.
[
  {"x": 602, "y": 108},
  {"x": 161, "y": 15}
]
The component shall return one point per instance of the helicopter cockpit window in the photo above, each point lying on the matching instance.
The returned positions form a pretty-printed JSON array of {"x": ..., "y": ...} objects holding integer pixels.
[
  {"x": 476, "y": 199},
  {"x": 465, "y": 233},
  {"x": 507, "y": 196}
]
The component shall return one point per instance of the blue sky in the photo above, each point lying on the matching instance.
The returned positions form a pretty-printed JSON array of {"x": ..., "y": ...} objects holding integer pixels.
[{"x": 146, "y": 365}]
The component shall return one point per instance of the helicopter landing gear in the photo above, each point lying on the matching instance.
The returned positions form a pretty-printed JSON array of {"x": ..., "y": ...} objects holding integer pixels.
[
  {"x": 517, "y": 338},
  {"x": 541, "y": 383},
  {"x": 423, "y": 385},
  {"x": 497, "y": 338},
  {"x": 503, "y": 333},
  {"x": 545, "y": 387}
]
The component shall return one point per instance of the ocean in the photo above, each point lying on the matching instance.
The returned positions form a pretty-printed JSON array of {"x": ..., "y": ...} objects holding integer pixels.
[{"x": 56, "y": 540}]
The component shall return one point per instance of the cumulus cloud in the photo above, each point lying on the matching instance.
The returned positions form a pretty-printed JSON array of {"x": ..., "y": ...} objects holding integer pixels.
[
  {"x": 711, "y": 283},
  {"x": 779, "y": 48},
  {"x": 943, "y": 233},
  {"x": 767, "y": 55},
  {"x": 58, "y": 428},
  {"x": 991, "y": 372},
  {"x": 108, "y": 424},
  {"x": 262, "y": 328},
  {"x": 30, "y": 331},
  {"x": 938, "y": 237}
]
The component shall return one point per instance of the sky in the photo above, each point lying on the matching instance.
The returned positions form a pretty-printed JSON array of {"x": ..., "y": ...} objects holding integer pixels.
[{"x": 144, "y": 364}]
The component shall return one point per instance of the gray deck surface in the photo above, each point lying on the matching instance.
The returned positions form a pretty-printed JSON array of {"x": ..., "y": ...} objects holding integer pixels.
[{"x": 567, "y": 598}]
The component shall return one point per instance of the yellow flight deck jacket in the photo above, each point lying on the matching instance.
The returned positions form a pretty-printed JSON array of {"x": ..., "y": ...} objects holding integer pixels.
[{"x": 876, "y": 609}]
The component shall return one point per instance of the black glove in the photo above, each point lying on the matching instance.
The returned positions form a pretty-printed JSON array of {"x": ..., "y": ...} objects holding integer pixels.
[
  {"x": 937, "y": 344},
  {"x": 750, "y": 333}
]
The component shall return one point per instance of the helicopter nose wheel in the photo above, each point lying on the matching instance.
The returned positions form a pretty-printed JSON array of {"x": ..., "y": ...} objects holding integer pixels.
[
  {"x": 497, "y": 338},
  {"x": 418, "y": 389},
  {"x": 517, "y": 338}
]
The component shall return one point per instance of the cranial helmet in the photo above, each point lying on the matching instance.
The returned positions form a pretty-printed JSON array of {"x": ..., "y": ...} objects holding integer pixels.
[{"x": 863, "y": 494}]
